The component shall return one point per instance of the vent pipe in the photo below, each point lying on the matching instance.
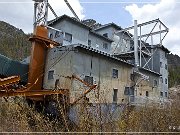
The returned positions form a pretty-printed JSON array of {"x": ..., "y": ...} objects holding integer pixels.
[{"x": 136, "y": 44}]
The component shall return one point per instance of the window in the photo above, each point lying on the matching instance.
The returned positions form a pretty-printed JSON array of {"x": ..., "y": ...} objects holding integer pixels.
[
  {"x": 89, "y": 80},
  {"x": 147, "y": 93},
  {"x": 129, "y": 91},
  {"x": 57, "y": 34},
  {"x": 115, "y": 73},
  {"x": 166, "y": 66},
  {"x": 50, "y": 75},
  {"x": 161, "y": 79},
  {"x": 166, "y": 94},
  {"x": 105, "y": 45},
  {"x": 165, "y": 80},
  {"x": 105, "y": 34},
  {"x": 161, "y": 94},
  {"x": 155, "y": 83},
  {"x": 68, "y": 37},
  {"x": 51, "y": 36},
  {"x": 57, "y": 83},
  {"x": 89, "y": 42},
  {"x": 161, "y": 64},
  {"x": 115, "y": 95}
]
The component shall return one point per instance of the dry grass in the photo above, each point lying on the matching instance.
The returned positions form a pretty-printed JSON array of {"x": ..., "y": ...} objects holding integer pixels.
[{"x": 21, "y": 118}]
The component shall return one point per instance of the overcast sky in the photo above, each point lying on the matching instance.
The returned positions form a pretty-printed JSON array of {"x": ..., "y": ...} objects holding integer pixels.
[{"x": 20, "y": 14}]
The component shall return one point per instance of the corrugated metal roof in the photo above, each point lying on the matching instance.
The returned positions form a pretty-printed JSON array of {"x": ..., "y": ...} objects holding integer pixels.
[{"x": 9, "y": 67}]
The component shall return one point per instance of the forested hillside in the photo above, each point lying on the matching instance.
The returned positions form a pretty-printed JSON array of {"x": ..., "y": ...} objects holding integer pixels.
[{"x": 13, "y": 42}]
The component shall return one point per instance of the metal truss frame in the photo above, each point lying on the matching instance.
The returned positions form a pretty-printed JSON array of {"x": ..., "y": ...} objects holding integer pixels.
[{"x": 142, "y": 48}]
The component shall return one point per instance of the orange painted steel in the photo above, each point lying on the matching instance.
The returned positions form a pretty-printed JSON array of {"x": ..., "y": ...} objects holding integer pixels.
[
  {"x": 40, "y": 44},
  {"x": 84, "y": 94},
  {"x": 33, "y": 93},
  {"x": 82, "y": 81},
  {"x": 37, "y": 61},
  {"x": 9, "y": 81}
]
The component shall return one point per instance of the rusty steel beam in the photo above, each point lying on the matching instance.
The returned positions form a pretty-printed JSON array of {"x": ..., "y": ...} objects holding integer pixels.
[
  {"x": 9, "y": 81},
  {"x": 82, "y": 81},
  {"x": 84, "y": 94},
  {"x": 32, "y": 93}
]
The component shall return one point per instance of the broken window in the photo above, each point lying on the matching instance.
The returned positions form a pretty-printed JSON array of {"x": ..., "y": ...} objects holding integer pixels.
[
  {"x": 161, "y": 94},
  {"x": 161, "y": 64},
  {"x": 129, "y": 91},
  {"x": 155, "y": 83},
  {"x": 105, "y": 45},
  {"x": 51, "y": 36},
  {"x": 57, "y": 34},
  {"x": 51, "y": 75},
  {"x": 165, "y": 80},
  {"x": 89, "y": 80},
  {"x": 161, "y": 79},
  {"x": 166, "y": 94},
  {"x": 147, "y": 93},
  {"x": 68, "y": 37},
  {"x": 115, "y": 73},
  {"x": 89, "y": 42},
  {"x": 115, "y": 95}
]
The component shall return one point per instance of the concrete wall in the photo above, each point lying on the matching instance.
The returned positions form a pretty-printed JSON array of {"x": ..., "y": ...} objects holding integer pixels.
[
  {"x": 58, "y": 60},
  {"x": 84, "y": 63},
  {"x": 163, "y": 72},
  {"x": 79, "y": 33},
  {"x": 148, "y": 85},
  {"x": 157, "y": 64},
  {"x": 100, "y": 68}
]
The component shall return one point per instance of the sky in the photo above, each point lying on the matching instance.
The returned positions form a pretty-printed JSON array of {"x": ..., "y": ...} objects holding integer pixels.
[{"x": 122, "y": 12}]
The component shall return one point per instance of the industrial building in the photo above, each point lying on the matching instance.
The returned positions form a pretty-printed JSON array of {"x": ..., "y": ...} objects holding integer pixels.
[{"x": 88, "y": 53}]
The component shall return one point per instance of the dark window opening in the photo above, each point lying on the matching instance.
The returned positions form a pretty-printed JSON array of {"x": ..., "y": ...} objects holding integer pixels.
[
  {"x": 68, "y": 37},
  {"x": 161, "y": 79},
  {"x": 129, "y": 91},
  {"x": 89, "y": 42},
  {"x": 161, "y": 94},
  {"x": 51, "y": 75},
  {"x": 147, "y": 93},
  {"x": 115, "y": 73},
  {"x": 166, "y": 94},
  {"x": 105, "y": 34},
  {"x": 165, "y": 80},
  {"x": 89, "y": 80},
  {"x": 57, "y": 84},
  {"x": 105, "y": 45},
  {"x": 115, "y": 95},
  {"x": 57, "y": 34},
  {"x": 155, "y": 83},
  {"x": 51, "y": 36},
  {"x": 161, "y": 64}
]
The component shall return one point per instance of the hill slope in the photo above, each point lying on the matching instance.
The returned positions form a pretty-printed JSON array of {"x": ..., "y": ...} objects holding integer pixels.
[{"x": 13, "y": 42}]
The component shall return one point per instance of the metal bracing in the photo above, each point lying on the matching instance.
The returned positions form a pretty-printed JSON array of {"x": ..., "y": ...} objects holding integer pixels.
[
  {"x": 148, "y": 33},
  {"x": 40, "y": 12}
]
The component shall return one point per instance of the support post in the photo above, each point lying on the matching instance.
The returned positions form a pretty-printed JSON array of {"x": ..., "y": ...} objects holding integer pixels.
[{"x": 136, "y": 44}]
